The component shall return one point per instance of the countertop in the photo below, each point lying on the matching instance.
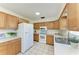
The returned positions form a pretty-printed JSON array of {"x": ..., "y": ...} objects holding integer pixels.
[
  {"x": 8, "y": 39},
  {"x": 46, "y": 34}
]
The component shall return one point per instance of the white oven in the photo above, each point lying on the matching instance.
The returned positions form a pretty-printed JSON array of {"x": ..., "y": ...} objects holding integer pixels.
[{"x": 42, "y": 35}]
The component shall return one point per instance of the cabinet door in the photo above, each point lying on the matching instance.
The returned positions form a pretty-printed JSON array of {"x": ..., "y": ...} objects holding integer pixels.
[
  {"x": 56, "y": 24},
  {"x": 13, "y": 47},
  {"x": 49, "y": 25},
  {"x": 42, "y": 23},
  {"x": 2, "y": 20},
  {"x": 3, "y": 50},
  {"x": 50, "y": 39},
  {"x": 36, "y": 26},
  {"x": 12, "y": 22},
  {"x": 36, "y": 37},
  {"x": 72, "y": 16},
  {"x": 17, "y": 46}
]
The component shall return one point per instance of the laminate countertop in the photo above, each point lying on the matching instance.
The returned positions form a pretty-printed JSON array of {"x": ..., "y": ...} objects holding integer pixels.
[{"x": 8, "y": 39}]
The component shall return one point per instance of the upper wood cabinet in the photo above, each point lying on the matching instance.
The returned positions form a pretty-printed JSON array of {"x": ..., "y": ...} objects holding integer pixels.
[
  {"x": 8, "y": 21},
  {"x": 49, "y": 25},
  {"x": 52, "y": 25},
  {"x": 42, "y": 24},
  {"x": 71, "y": 21},
  {"x": 2, "y": 20},
  {"x": 36, "y": 26},
  {"x": 56, "y": 24},
  {"x": 73, "y": 16},
  {"x": 12, "y": 22}
]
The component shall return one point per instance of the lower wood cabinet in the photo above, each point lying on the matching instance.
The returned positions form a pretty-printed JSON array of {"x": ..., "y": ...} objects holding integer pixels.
[
  {"x": 3, "y": 50},
  {"x": 10, "y": 47},
  {"x": 36, "y": 37},
  {"x": 50, "y": 39}
]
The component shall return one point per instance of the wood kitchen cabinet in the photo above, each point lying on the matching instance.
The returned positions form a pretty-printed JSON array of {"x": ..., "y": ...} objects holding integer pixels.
[
  {"x": 12, "y": 22},
  {"x": 50, "y": 39},
  {"x": 18, "y": 46},
  {"x": 73, "y": 16},
  {"x": 36, "y": 37},
  {"x": 42, "y": 24},
  {"x": 3, "y": 50},
  {"x": 56, "y": 24},
  {"x": 36, "y": 26},
  {"x": 71, "y": 20},
  {"x": 8, "y": 21},
  {"x": 52, "y": 25},
  {"x": 49, "y": 25},
  {"x": 2, "y": 20},
  {"x": 11, "y": 47},
  {"x": 14, "y": 47}
]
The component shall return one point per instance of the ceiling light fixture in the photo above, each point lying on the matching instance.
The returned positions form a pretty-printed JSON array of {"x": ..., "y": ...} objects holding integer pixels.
[{"x": 37, "y": 13}]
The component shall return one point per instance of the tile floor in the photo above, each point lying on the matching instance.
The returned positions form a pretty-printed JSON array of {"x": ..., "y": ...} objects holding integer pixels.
[{"x": 40, "y": 49}]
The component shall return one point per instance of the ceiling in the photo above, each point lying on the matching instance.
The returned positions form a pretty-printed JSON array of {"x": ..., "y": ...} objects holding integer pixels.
[{"x": 27, "y": 10}]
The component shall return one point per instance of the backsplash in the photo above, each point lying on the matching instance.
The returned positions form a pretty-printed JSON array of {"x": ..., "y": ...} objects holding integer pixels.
[
  {"x": 49, "y": 32},
  {"x": 52, "y": 32}
]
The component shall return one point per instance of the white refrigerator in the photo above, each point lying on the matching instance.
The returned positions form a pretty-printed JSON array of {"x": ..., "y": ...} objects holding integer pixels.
[{"x": 25, "y": 31}]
